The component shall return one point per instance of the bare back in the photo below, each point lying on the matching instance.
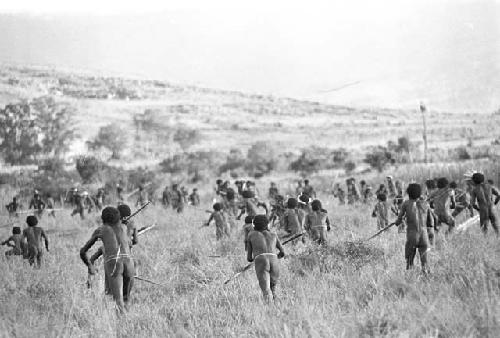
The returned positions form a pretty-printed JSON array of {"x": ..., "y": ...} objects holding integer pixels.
[
  {"x": 34, "y": 236},
  {"x": 262, "y": 242}
]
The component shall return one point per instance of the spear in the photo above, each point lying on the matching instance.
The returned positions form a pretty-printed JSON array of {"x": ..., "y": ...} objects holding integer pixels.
[
  {"x": 380, "y": 231},
  {"x": 36, "y": 210},
  {"x": 137, "y": 211},
  {"x": 145, "y": 229},
  {"x": 249, "y": 265},
  {"x": 149, "y": 281}
]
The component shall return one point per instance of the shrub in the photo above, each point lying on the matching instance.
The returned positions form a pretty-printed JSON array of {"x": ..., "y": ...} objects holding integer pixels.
[
  {"x": 111, "y": 137},
  {"x": 88, "y": 167},
  {"x": 379, "y": 158},
  {"x": 260, "y": 158}
]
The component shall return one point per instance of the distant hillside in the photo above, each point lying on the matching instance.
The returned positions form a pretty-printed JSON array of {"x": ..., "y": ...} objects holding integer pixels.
[{"x": 229, "y": 119}]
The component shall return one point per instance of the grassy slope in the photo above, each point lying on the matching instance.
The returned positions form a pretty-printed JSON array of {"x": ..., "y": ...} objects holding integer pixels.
[
  {"x": 242, "y": 118},
  {"x": 342, "y": 291}
]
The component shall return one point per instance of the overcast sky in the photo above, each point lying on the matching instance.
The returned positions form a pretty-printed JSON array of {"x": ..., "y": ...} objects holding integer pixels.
[{"x": 388, "y": 53}]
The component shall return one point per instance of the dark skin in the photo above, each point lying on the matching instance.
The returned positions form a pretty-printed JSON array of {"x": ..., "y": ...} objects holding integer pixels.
[
  {"x": 118, "y": 266},
  {"x": 33, "y": 236},
  {"x": 263, "y": 242},
  {"x": 260, "y": 248}
]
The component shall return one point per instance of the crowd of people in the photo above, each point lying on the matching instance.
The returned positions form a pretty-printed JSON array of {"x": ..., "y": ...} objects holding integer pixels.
[{"x": 427, "y": 210}]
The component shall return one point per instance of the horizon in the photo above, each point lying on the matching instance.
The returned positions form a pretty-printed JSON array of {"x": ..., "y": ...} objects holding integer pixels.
[{"x": 393, "y": 55}]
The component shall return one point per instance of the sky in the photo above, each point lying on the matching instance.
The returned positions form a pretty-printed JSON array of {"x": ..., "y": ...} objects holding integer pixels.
[{"x": 358, "y": 53}]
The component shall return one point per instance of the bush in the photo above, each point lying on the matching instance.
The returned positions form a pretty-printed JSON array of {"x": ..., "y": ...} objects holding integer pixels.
[
  {"x": 463, "y": 153},
  {"x": 260, "y": 158},
  {"x": 349, "y": 166},
  {"x": 316, "y": 158},
  {"x": 198, "y": 165},
  {"x": 186, "y": 137},
  {"x": 88, "y": 167},
  {"x": 379, "y": 158},
  {"x": 110, "y": 137},
  {"x": 235, "y": 160}
]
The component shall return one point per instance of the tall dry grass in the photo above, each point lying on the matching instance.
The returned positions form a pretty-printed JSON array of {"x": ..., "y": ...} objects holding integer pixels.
[{"x": 346, "y": 289}]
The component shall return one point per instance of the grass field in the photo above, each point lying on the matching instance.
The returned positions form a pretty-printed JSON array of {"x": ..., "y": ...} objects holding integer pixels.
[{"x": 346, "y": 289}]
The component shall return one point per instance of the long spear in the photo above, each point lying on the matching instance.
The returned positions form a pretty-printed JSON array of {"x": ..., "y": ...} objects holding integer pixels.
[
  {"x": 137, "y": 211},
  {"x": 149, "y": 281},
  {"x": 249, "y": 265},
  {"x": 380, "y": 231}
]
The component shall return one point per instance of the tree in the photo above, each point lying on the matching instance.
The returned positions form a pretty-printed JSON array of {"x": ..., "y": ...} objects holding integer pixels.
[
  {"x": 56, "y": 123},
  {"x": 192, "y": 163},
  {"x": 234, "y": 160},
  {"x": 306, "y": 163},
  {"x": 186, "y": 137},
  {"x": 110, "y": 137},
  {"x": 260, "y": 158},
  {"x": 32, "y": 128},
  {"x": 379, "y": 158},
  {"x": 88, "y": 167},
  {"x": 349, "y": 166}
]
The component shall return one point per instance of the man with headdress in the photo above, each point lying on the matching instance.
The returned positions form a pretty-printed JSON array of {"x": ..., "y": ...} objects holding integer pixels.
[{"x": 37, "y": 203}]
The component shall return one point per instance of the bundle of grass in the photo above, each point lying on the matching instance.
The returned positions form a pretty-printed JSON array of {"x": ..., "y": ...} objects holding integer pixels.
[
  {"x": 334, "y": 258},
  {"x": 357, "y": 253}
]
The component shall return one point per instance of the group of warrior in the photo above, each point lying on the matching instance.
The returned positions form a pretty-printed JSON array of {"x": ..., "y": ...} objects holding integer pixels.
[
  {"x": 294, "y": 218},
  {"x": 83, "y": 203}
]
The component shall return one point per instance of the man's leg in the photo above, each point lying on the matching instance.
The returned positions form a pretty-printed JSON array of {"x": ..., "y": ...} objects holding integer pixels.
[
  {"x": 115, "y": 279},
  {"x": 128, "y": 279},
  {"x": 493, "y": 220},
  {"x": 274, "y": 275},
  {"x": 262, "y": 269}
]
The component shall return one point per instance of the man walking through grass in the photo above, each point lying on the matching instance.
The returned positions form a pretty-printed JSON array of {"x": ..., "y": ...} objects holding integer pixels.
[{"x": 416, "y": 212}]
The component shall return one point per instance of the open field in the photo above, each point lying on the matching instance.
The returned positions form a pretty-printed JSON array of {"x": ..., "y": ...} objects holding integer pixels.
[{"x": 347, "y": 289}]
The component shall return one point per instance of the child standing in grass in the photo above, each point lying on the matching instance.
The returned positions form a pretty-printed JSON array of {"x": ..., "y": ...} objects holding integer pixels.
[
  {"x": 381, "y": 211},
  {"x": 34, "y": 235},
  {"x": 416, "y": 212},
  {"x": 482, "y": 193},
  {"x": 261, "y": 245},
  {"x": 221, "y": 225},
  {"x": 317, "y": 223},
  {"x": 15, "y": 242}
]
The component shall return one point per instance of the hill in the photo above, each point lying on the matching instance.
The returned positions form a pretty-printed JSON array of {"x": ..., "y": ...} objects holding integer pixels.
[{"x": 231, "y": 119}]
